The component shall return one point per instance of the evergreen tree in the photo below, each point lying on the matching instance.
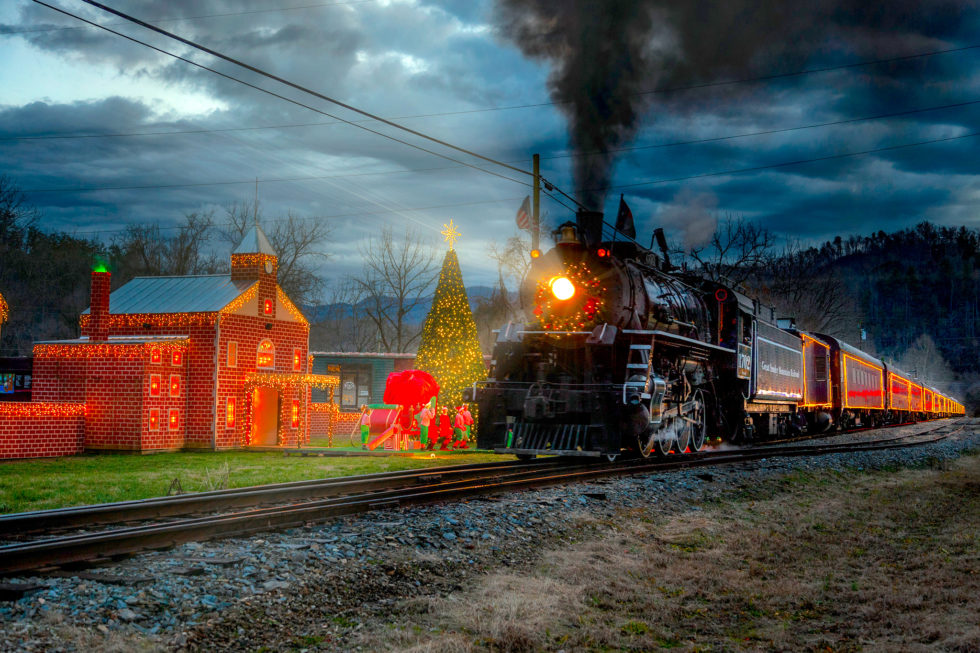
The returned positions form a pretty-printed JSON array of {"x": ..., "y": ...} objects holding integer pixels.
[{"x": 450, "y": 348}]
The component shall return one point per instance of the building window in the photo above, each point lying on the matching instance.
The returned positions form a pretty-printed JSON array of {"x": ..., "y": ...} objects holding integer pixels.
[
  {"x": 230, "y": 413},
  {"x": 297, "y": 360},
  {"x": 154, "y": 419},
  {"x": 232, "y": 357},
  {"x": 266, "y": 357},
  {"x": 177, "y": 359},
  {"x": 174, "y": 421},
  {"x": 355, "y": 386},
  {"x": 174, "y": 385},
  {"x": 267, "y": 307},
  {"x": 295, "y": 420},
  {"x": 154, "y": 355},
  {"x": 154, "y": 385}
]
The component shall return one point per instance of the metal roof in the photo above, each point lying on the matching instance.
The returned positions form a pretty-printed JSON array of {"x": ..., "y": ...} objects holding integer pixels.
[
  {"x": 193, "y": 294},
  {"x": 255, "y": 242}
]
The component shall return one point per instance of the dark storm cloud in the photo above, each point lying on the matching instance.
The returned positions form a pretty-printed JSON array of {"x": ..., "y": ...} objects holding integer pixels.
[
  {"x": 429, "y": 57},
  {"x": 604, "y": 55}
]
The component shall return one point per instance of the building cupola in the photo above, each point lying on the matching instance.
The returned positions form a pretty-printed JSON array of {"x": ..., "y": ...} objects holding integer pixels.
[{"x": 254, "y": 257}]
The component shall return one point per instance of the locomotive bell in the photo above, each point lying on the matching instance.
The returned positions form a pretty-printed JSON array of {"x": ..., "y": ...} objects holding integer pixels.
[{"x": 568, "y": 234}]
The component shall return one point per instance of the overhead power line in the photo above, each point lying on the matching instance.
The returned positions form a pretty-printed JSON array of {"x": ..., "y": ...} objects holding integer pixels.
[
  {"x": 334, "y": 216},
  {"x": 665, "y": 89},
  {"x": 231, "y": 182},
  {"x": 299, "y": 87},
  {"x": 283, "y": 97},
  {"x": 198, "y": 17},
  {"x": 219, "y": 130},
  {"x": 544, "y": 190},
  {"x": 785, "y": 164}
]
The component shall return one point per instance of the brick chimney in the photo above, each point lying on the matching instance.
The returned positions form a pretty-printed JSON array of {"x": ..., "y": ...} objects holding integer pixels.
[{"x": 98, "y": 325}]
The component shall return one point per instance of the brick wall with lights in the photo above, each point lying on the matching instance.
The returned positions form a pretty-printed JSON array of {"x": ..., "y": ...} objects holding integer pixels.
[
  {"x": 41, "y": 429},
  {"x": 258, "y": 346}
]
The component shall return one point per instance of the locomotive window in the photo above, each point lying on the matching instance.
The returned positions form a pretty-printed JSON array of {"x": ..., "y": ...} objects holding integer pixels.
[{"x": 746, "y": 328}]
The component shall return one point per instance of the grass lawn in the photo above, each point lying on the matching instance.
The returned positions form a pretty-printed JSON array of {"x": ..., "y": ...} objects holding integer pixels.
[
  {"x": 819, "y": 561},
  {"x": 56, "y": 482}
]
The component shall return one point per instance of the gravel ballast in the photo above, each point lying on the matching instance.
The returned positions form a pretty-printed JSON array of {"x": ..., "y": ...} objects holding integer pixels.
[{"x": 313, "y": 587}]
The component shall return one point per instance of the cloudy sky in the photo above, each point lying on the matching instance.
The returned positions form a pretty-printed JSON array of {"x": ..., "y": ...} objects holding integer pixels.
[{"x": 101, "y": 132}]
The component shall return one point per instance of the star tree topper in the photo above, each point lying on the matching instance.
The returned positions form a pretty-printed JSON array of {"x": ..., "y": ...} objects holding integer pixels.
[{"x": 450, "y": 234}]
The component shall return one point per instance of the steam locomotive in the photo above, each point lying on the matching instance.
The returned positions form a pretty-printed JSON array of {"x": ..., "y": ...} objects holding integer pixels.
[{"x": 627, "y": 355}]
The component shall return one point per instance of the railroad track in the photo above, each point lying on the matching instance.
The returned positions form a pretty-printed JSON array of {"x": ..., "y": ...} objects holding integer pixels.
[{"x": 337, "y": 497}]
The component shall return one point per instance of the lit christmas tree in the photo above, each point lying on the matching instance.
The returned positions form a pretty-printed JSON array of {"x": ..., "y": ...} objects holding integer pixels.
[{"x": 449, "y": 349}]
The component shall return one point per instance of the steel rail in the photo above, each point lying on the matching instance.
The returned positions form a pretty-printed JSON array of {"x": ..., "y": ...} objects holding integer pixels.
[
  {"x": 96, "y": 547},
  {"x": 212, "y": 501}
]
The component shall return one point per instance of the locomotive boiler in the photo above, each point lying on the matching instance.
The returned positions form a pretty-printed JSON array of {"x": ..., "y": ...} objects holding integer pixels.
[{"x": 626, "y": 354}]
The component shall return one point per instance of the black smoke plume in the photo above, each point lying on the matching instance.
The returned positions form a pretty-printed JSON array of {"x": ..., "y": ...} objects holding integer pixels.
[{"x": 606, "y": 55}]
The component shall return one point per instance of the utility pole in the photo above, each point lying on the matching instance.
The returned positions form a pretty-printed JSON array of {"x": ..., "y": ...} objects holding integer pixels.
[{"x": 536, "y": 202}]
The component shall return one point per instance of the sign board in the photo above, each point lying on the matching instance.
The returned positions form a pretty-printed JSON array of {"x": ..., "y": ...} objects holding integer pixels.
[{"x": 744, "y": 370}]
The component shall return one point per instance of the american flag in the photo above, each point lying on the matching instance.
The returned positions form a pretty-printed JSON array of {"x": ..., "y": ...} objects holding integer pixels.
[{"x": 524, "y": 214}]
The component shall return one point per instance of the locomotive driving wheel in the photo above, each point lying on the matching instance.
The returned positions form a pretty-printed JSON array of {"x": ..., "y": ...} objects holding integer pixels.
[
  {"x": 665, "y": 438},
  {"x": 699, "y": 422}
]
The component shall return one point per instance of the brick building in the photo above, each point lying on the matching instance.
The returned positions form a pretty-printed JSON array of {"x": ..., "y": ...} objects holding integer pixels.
[{"x": 215, "y": 361}]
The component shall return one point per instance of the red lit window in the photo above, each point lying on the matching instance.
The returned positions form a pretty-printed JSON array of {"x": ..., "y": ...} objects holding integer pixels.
[
  {"x": 154, "y": 419},
  {"x": 295, "y": 413},
  {"x": 267, "y": 307},
  {"x": 177, "y": 358},
  {"x": 174, "y": 419},
  {"x": 297, "y": 360},
  {"x": 230, "y": 413},
  {"x": 232, "y": 354},
  {"x": 174, "y": 385},
  {"x": 155, "y": 356},
  {"x": 154, "y": 385},
  {"x": 266, "y": 356}
]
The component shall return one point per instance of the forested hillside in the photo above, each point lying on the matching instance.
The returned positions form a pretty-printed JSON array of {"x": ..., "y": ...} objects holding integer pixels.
[{"x": 915, "y": 293}]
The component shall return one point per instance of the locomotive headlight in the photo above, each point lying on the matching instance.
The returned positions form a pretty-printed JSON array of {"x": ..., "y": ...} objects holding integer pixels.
[{"x": 562, "y": 288}]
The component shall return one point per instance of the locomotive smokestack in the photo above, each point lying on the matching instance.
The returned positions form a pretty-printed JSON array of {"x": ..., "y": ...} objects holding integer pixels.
[{"x": 589, "y": 227}]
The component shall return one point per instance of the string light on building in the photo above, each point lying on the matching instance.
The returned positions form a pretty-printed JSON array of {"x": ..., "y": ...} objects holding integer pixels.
[
  {"x": 290, "y": 307},
  {"x": 131, "y": 321},
  {"x": 122, "y": 350},
  {"x": 41, "y": 409}
]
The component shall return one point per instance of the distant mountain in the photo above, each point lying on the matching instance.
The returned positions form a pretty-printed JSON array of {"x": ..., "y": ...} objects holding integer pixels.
[{"x": 417, "y": 315}]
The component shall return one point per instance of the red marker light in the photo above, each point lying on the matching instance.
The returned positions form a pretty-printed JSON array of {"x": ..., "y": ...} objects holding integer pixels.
[{"x": 602, "y": 253}]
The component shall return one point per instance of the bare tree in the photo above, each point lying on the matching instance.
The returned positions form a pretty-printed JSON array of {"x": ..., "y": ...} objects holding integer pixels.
[
  {"x": 736, "y": 250},
  {"x": 800, "y": 285},
  {"x": 397, "y": 276},
  {"x": 343, "y": 324},
  {"x": 513, "y": 262},
  {"x": 924, "y": 360},
  {"x": 144, "y": 250},
  {"x": 297, "y": 241}
]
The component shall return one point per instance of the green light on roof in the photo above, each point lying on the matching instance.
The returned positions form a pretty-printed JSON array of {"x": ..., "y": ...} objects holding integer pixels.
[{"x": 100, "y": 267}]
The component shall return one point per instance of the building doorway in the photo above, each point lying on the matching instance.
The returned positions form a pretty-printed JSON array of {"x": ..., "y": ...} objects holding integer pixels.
[{"x": 265, "y": 417}]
